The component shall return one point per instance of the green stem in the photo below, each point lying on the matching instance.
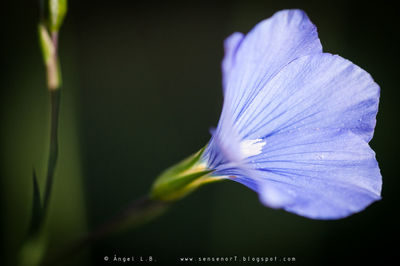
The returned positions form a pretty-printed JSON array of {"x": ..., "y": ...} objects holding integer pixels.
[
  {"x": 138, "y": 212},
  {"x": 53, "y": 152}
]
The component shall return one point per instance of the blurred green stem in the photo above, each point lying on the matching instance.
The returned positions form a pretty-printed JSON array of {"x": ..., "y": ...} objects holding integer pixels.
[
  {"x": 53, "y": 152},
  {"x": 52, "y": 16},
  {"x": 49, "y": 46},
  {"x": 34, "y": 246}
]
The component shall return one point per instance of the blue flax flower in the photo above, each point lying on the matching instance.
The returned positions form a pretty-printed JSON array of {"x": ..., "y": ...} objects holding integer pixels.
[{"x": 296, "y": 121}]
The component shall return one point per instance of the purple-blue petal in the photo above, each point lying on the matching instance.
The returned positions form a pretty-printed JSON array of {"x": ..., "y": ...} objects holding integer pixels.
[
  {"x": 315, "y": 91},
  {"x": 313, "y": 114},
  {"x": 318, "y": 173},
  {"x": 251, "y": 61}
]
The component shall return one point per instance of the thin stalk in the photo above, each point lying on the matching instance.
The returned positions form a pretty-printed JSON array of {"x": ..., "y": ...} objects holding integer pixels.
[
  {"x": 53, "y": 84},
  {"x": 53, "y": 151}
]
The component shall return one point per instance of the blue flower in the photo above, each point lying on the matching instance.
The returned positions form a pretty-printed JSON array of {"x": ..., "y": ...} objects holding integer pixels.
[{"x": 296, "y": 121}]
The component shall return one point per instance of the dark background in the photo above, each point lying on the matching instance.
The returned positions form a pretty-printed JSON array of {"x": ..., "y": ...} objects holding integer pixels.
[{"x": 142, "y": 87}]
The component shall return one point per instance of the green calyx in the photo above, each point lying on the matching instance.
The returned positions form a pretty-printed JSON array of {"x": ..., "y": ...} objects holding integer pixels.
[{"x": 182, "y": 178}]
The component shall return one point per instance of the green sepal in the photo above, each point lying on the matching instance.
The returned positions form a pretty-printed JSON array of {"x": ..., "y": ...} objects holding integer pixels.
[
  {"x": 46, "y": 44},
  {"x": 182, "y": 178},
  {"x": 57, "y": 10}
]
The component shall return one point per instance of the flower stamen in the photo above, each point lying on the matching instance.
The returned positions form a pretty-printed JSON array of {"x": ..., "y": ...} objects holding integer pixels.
[{"x": 251, "y": 147}]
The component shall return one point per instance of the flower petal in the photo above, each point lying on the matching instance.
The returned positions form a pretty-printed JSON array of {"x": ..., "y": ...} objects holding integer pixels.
[
  {"x": 261, "y": 54},
  {"x": 296, "y": 122},
  {"x": 231, "y": 45},
  {"x": 316, "y": 91},
  {"x": 252, "y": 60},
  {"x": 322, "y": 174}
]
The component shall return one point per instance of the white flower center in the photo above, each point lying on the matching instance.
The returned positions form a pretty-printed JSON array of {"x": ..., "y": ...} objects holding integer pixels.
[{"x": 251, "y": 147}]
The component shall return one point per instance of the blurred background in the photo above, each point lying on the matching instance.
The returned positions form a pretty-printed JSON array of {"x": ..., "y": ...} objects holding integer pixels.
[{"x": 142, "y": 87}]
